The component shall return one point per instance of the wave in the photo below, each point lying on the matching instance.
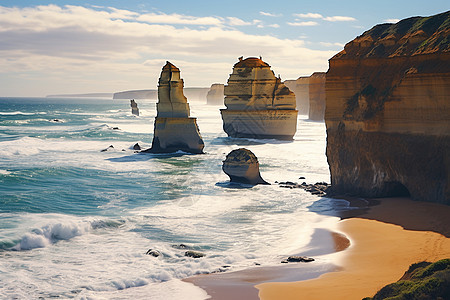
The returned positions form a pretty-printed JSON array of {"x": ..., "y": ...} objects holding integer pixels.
[
  {"x": 54, "y": 232},
  {"x": 13, "y": 113}
]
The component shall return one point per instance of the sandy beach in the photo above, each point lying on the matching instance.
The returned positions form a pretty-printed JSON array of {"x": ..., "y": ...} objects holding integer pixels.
[{"x": 384, "y": 242}]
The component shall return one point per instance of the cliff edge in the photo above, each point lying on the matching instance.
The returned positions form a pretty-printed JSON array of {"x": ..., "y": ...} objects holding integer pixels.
[{"x": 388, "y": 111}]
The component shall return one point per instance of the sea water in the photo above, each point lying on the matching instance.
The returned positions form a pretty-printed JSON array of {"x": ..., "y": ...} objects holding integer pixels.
[{"x": 76, "y": 221}]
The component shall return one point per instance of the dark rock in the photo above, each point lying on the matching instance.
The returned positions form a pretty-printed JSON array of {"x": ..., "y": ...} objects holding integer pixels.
[
  {"x": 109, "y": 148},
  {"x": 299, "y": 259},
  {"x": 115, "y": 128},
  {"x": 194, "y": 254},
  {"x": 153, "y": 252},
  {"x": 301, "y": 177},
  {"x": 181, "y": 246},
  {"x": 136, "y": 147}
]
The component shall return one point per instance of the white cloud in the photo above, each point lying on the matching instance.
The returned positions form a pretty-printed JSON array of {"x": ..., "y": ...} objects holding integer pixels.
[
  {"x": 274, "y": 25},
  {"x": 269, "y": 14},
  {"x": 309, "y": 15},
  {"x": 391, "y": 20},
  {"x": 339, "y": 19},
  {"x": 308, "y": 23},
  {"x": 74, "y": 49},
  {"x": 327, "y": 44},
  {"x": 232, "y": 21},
  {"x": 319, "y": 16}
]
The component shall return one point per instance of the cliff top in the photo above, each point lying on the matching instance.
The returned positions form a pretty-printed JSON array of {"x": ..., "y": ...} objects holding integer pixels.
[
  {"x": 412, "y": 36},
  {"x": 250, "y": 62},
  {"x": 241, "y": 155}
]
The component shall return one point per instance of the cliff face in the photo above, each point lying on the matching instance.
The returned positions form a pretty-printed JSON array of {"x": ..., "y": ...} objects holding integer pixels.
[
  {"x": 215, "y": 94},
  {"x": 317, "y": 96},
  {"x": 258, "y": 104},
  {"x": 388, "y": 111},
  {"x": 300, "y": 87}
]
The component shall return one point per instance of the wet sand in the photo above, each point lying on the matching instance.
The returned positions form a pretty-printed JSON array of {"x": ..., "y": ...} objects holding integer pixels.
[
  {"x": 380, "y": 252},
  {"x": 385, "y": 238}
]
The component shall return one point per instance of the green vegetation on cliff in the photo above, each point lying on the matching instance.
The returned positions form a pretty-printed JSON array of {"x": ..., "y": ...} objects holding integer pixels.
[{"x": 422, "y": 281}]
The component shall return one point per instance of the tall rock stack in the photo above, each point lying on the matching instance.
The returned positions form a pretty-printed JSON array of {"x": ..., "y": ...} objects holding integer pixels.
[
  {"x": 388, "y": 111},
  {"x": 317, "y": 96},
  {"x": 174, "y": 129},
  {"x": 300, "y": 87},
  {"x": 258, "y": 104},
  {"x": 134, "y": 107}
]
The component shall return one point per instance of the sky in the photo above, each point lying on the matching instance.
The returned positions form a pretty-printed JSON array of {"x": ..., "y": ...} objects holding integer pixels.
[{"x": 67, "y": 47}]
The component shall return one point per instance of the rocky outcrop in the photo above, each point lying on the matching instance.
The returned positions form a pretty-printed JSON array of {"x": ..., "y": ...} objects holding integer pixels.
[
  {"x": 317, "y": 96},
  {"x": 134, "y": 108},
  {"x": 174, "y": 129},
  {"x": 388, "y": 111},
  {"x": 258, "y": 104},
  {"x": 215, "y": 94},
  {"x": 242, "y": 166},
  {"x": 300, "y": 87}
]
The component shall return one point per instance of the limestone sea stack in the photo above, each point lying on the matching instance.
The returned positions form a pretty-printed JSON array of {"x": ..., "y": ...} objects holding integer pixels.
[
  {"x": 134, "y": 108},
  {"x": 174, "y": 129},
  {"x": 241, "y": 165},
  {"x": 215, "y": 94},
  {"x": 388, "y": 111},
  {"x": 258, "y": 104}
]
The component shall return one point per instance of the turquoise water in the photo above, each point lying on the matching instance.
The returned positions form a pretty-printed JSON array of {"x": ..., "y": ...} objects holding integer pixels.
[{"x": 76, "y": 222}]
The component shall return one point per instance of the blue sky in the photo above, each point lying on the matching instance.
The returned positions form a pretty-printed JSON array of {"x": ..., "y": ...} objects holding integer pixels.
[{"x": 52, "y": 47}]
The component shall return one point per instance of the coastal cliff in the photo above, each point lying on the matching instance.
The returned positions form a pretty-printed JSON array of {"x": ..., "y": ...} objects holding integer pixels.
[
  {"x": 388, "y": 111},
  {"x": 300, "y": 87},
  {"x": 316, "y": 90},
  {"x": 215, "y": 94},
  {"x": 258, "y": 104}
]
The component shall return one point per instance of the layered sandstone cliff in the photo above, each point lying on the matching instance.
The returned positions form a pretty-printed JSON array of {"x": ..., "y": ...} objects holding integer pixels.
[
  {"x": 174, "y": 129},
  {"x": 388, "y": 111},
  {"x": 215, "y": 94},
  {"x": 300, "y": 87},
  {"x": 317, "y": 96},
  {"x": 258, "y": 104}
]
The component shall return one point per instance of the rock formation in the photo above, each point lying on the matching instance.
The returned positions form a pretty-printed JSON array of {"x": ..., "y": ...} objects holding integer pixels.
[
  {"x": 258, "y": 104},
  {"x": 317, "y": 96},
  {"x": 134, "y": 108},
  {"x": 174, "y": 129},
  {"x": 300, "y": 87},
  {"x": 215, "y": 94},
  {"x": 388, "y": 111},
  {"x": 242, "y": 166}
]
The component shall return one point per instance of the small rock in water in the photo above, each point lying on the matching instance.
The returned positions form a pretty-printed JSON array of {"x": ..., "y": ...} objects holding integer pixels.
[
  {"x": 301, "y": 177},
  {"x": 153, "y": 252},
  {"x": 193, "y": 254},
  {"x": 297, "y": 259},
  {"x": 181, "y": 246},
  {"x": 116, "y": 128},
  {"x": 110, "y": 147},
  {"x": 136, "y": 147}
]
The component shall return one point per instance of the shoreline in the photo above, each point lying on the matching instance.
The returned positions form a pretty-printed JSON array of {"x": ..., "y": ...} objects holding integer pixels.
[{"x": 385, "y": 238}]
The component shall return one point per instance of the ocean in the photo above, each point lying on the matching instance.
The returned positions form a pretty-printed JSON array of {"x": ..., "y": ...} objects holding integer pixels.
[{"x": 76, "y": 221}]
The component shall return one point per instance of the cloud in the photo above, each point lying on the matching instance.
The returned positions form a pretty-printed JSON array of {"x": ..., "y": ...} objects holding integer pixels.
[
  {"x": 327, "y": 44},
  {"x": 72, "y": 49},
  {"x": 309, "y": 15},
  {"x": 232, "y": 21},
  {"x": 391, "y": 20},
  {"x": 319, "y": 16},
  {"x": 269, "y": 14},
  {"x": 274, "y": 25},
  {"x": 339, "y": 19},
  {"x": 308, "y": 23}
]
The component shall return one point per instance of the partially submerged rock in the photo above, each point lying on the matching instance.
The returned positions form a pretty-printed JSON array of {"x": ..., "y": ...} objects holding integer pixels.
[
  {"x": 153, "y": 252},
  {"x": 242, "y": 166},
  {"x": 194, "y": 254},
  {"x": 297, "y": 259},
  {"x": 174, "y": 129},
  {"x": 318, "y": 188}
]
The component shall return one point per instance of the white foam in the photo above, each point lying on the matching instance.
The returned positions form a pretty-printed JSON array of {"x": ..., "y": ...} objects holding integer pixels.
[{"x": 13, "y": 113}]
